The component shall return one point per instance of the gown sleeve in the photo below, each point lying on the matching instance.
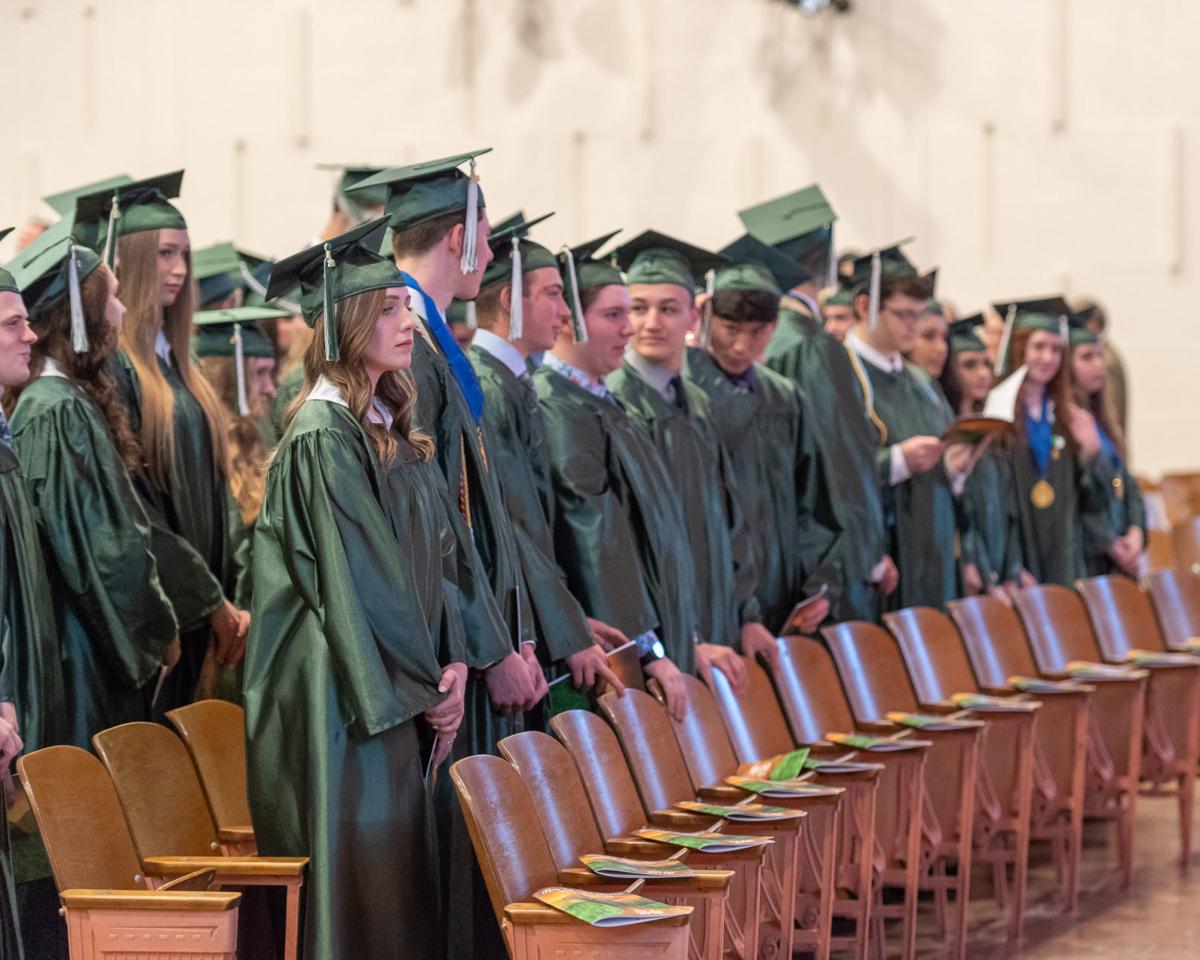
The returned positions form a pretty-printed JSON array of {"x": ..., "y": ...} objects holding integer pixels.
[{"x": 819, "y": 534}]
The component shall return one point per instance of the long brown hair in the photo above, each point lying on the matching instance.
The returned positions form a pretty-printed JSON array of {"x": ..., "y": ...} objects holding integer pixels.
[
  {"x": 137, "y": 268},
  {"x": 1100, "y": 406},
  {"x": 248, "y": 449},
  {"x": 1058, "y": 390},
  {"x": 356, "y": 318},
  {"x": 88, "y": 371}
]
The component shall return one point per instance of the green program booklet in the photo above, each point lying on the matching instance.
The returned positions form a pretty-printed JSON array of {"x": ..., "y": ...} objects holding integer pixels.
[
  {"x": 781, "y": 789},
  {"x": 785, "y": 766},
  {"x": 622, "y": 867},
  {"x": 608, "y": 909},
  {"x": 931, "y": 722},
  {"x": 982, "y": 703},
  {"x": 704, "y": 841},
  {"x": 745, "y": 812},
  {"x": 865, "y": 741}
]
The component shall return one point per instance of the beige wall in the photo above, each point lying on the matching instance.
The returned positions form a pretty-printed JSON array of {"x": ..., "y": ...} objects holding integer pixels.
[{"x": 1031, "y": 146}]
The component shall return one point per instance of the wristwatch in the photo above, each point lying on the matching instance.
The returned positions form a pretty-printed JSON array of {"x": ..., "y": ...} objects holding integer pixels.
[{"x": 655, "y": 652}]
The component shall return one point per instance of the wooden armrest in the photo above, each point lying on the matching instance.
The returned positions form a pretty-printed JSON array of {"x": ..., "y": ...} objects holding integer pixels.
[
  {"x": 682, "y": 820},
  {"x": 940, "y": 707},
  {"x": 722, "y": 793},
  {"x": 637, "y": 849},
  {"x": 242, "y": 866},
  {"x": 1000, "y": 691},
  {"x": 200, "y": 880},
  {"x": 583, "y": 877},
  {"x": 703, "y": 880},
  {"x": 148, "y": 900},
  {"x": 528, "y": 913},
  {"x": 879, "y": 727},
  {"x": 236, "y": 834},
  {"x": 823, "y": 748}
]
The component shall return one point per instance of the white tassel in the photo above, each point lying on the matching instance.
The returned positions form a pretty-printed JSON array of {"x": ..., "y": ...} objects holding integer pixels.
[
  {"x": 110, "y": 238},
  {"x": 239, "y": 359},
  {"x": 710, "y": 287},
  {"x": 251, "y": 280},
  {"x": 1064, "y": 330},
  {"x": 1010, "y": 321},
  {"x": 79, "y": 337},
  {"x": 578, "y": 327},
  {"x": 469, "y": 259},
  {"x": 831, "y": 277},
  {"x": 516, "y": 316},
  {"x": 472, "y": 316},
  {"x": 876, "y": 279}
]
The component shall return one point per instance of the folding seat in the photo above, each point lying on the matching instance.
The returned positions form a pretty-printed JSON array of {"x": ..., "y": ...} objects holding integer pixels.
[
  {"x": 516, "y": 863},
  {"x": 1185, "y": 538},
  {"x": 169, "y": 821},
  {"x": 214, "y": 732},
  {"x": 1123, "y": 621},
  {"x": 1059, "y": 633},
  {"x": 109, "y": 911},
  {"x": 619, "y": 813},
  {"x": 1176, "y": 596},
  {"x": 938, "y": 669},
  {"x": 875, "y": 682}
]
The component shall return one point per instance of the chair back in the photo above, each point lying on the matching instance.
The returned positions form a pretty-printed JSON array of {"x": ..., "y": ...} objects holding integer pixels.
[
  {"x": 159, "y": 791},
  {"x": 655, "y": 760},
  {"x": 1160, "y": 549},
  {"x": 754, "y": 720},
  {"x": 1176, "y": 596},
  {"x": 627, "y": 665},
  {"x": 214, "y": 732},
  {"x": 558, "y": 795},
  {"x": 702, "y": 739},
  {"x": 602, "y": 768},
  {"x": 810, "y": 691},
  {"x": 1185, "y": 538},
  {"x": 933, "y": 651},
  {"x": 79, "y": 818},
  {"x": 871, "y": 668},
  {"x": 505, "y": 831},
  {"x": 994, "y": 639},
  {"x": 1122, "y": 615},
  {"x": 1057, "y": 626}
]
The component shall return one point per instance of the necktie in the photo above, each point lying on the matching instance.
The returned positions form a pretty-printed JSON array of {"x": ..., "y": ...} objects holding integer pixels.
[
  {"x": 680, "y": 394},
  {"x": 460, "y": 366},
  {"x": 6, "y": 436}
]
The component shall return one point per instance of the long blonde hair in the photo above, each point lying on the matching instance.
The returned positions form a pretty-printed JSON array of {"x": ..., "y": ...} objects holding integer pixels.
[
  {"x": 137, "y": 269},
  {"x": 356, "y": 318},
  {"x": 247, "y": 447}
]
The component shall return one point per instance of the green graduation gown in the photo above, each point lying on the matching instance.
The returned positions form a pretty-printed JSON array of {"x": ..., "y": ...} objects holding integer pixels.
[
  {"x": 112, "y": 617},
  {"x": 352, "y": 623},
  {"x": 513, "y": 421},
  {"x": 699, "y": 472},
  {"x": 801, "y": 351},
  {"x": 619, "y": 532},
  {"x": 990, "y": 521},
  {"x": 190, "y": 526},
  {"x": 920, "y": 512},
  {"x": 286, "y": 391},
  {"x": 1123, "y": 508},
  {"x": 768, "y": 438}
]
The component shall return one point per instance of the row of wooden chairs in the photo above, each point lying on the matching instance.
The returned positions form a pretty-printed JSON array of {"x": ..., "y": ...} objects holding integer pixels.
[{"x": 979, "y": 791}]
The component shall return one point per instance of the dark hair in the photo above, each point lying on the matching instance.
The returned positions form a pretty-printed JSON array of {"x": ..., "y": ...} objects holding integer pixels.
[
  {"x": 423, "y": 237},
  {"x": 589, "y": 295},
  {"x": 915, "y": 287},
  {"x": 951, "y": 386},
  {"x": 487, "y": 306},
  {"x": 746, "y": 306}
]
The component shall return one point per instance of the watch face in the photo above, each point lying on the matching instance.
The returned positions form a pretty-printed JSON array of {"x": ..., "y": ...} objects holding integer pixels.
[{"x": 658, "y": 650}]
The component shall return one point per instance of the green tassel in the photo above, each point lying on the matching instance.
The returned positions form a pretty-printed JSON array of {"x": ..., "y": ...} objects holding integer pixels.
[{"x": 331, "y": 341}]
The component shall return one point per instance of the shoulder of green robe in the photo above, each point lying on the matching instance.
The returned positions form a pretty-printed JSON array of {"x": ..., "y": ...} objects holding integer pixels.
[
  {"x": 639, "y": 397},
  {"x": 43, "y": 396},
  {"x": 317, "y": 416}
]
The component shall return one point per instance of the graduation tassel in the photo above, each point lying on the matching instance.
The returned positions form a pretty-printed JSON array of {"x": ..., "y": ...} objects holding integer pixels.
[
  {"x": 1010, "y": 321},
  {"x": 1064, "y": 329},
  {"x": 469, "y": 260},
  {"x": 79, "y": 337},
  {"x": 472, "y": 316},
  {"x": 331, "y": 345},
  {"x": 239, "y": 359},
  {"x": 578, "y": 327},
  {"x": 110, "y": 238},
  {"x": 831, "y": 271},
  {"x": 516, "y": 316},
  {"x": 876, "y": 278},
  {"x": 251, "y": 280},
  {"x": 710, "y": 287}
]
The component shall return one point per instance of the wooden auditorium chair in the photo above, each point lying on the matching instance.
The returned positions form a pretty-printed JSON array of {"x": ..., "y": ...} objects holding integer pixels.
[
  {"x": 516, "y": 863},
  {"x": 873, "y": 677},
  {"x": 938, "y": 669},
  {"x": 169, "y": 821},
  {"x": 214, "y": 732},
  {"x": 619, "y": 813},
  {"x": 1185, "y": 538},
  {"x": 1176, "y": 596},
  {"x": 757, "y": 730},
  {"x": 1123, "y": 620},
  {"x": 1059, "y": 632},
  {"x": 110, "y": 913}
]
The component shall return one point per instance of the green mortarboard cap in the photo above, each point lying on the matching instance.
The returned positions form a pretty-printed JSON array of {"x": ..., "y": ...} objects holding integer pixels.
[
  {"x": 232, "y": 333},
  {"x": 43, "y": 271},
  {"x": 1079, "y": 333},
  {"x": 892, "y": 262},
  {"x": 1041, "y": 313},
  {"x": 799, "y": 225},
  {"x": 461, "y": 312},
  {"x": 352, "y": 175},
  {"x": 931, "y": 284},
  {"x": 423, "y": 191},
  {"x": 513, "y": 220},
  {"x": 64, "y": 203},
  {"x": 513, "y": 256},
  {"x": 843, "y": 296},
  {"x": 653, "y": 257},
  {"x": 127, "y": 208},
  {"x": 934, "y": 307},
  {"x": 963, "y": 338},
  {"x": 7, "y": 283},
  {"x": 332, "y": 271},
  {"x": 582, "y": 271},
  {"x": 749, "y": 249},
  {"x": 746, "y": 276},
  {"x": 223, "y": 268}
]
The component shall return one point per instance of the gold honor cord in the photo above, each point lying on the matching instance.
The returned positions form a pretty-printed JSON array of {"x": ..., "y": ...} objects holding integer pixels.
[{"x": 868, "y": 393}]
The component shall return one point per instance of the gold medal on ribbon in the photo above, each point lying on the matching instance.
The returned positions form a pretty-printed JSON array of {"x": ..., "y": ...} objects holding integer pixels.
[{"x": 1042, "y": 495}]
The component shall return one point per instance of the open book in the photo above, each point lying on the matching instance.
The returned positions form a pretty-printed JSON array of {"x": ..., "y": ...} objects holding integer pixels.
[
  {"x": 982, "y": 703},
  {"x": 704, "y": 841},
  {"x": 781, "y": 789},
  {"x": 932, "y": 722},
  {"x": 1001, "y": 402},
  {"x": 801, "y": 606},
  {"x": 873, "y": 744},
  {"x": 783, "y": 766},
  {"x": 1161, "y": 658},
  {"x": 745, "y": 812},
  {"x": 608, "y": 909},
  {"x": 623, "y": 867}
]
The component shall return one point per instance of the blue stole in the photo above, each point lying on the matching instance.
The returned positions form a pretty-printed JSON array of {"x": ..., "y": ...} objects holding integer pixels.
[
  {"x": 460, "y": 366},
  {"x": 1040, "y": 434}
]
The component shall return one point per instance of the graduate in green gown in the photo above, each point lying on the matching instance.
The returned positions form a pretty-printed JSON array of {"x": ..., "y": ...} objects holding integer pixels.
[
  {"x": 1114, "y": 540},
  {"x": 760, "y": 417},
  {"x": 502, "y": 345},
  {"x": 177, "y": 417},
  {"x": 661, "y": 273},
  {"x": 918, "y": 475},
  {"x": 620, "y": 534},
  {"x": 356, "y": 666},
  {"x": 800, "y": 225},
  {"x": 114, "y": 622},
  {"x": 1055, "y": 452}
]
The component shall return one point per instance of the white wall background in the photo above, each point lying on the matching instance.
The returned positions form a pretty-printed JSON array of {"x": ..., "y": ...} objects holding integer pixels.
[{"x": 1032, "y": 146}]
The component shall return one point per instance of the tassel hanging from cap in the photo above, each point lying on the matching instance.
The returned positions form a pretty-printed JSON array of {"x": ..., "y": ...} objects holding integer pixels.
[
  {"x": 516, "y": 315},
  {"x": 578, "y": 327},
  {"x": 239, "y": 361},
  {"x": 876, "y": 279},
  {"x": 79, "y": 337},
  {"x": 251, "y": 280},
  {"x": 472, "y": 316},
  {"x": 470, "y": 224},
  {"x": 1010, "y": 321},
  {"x": 1064, "y": 329},
  {"x": 110, "y": 237},
  {"x": 710, "y": 288},
  {"x": 831, "y": 269},
  {"x": 331, "y": 341}
]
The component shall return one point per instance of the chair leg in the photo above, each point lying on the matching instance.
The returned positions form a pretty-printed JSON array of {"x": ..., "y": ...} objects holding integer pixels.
[
  {"x": 291, "y": 940},
  {"x": 1125, "y": 827},
  {"x": 1187, "y": 803}
]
